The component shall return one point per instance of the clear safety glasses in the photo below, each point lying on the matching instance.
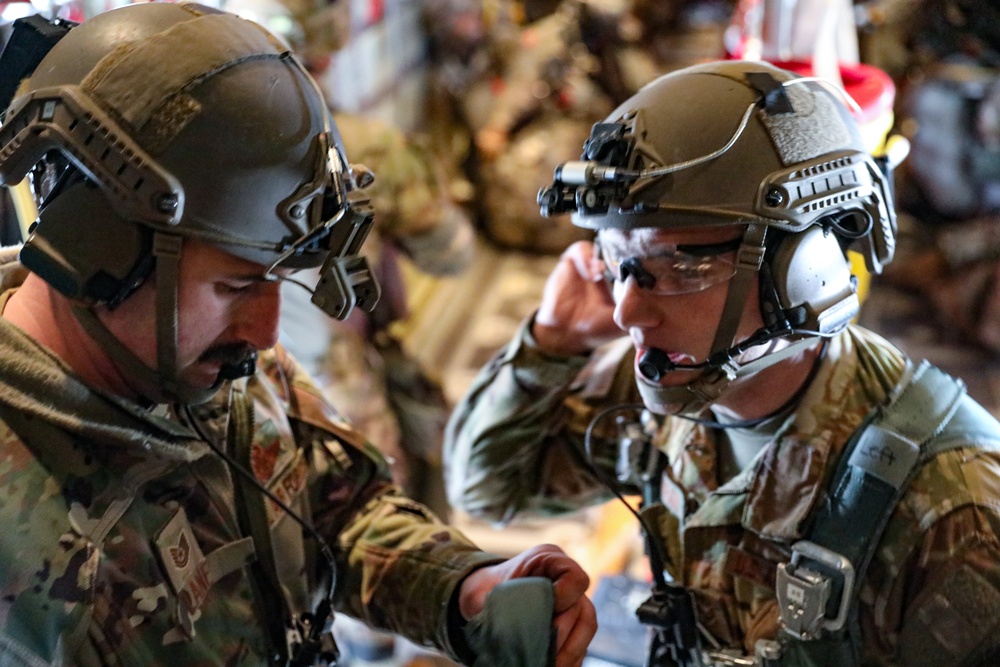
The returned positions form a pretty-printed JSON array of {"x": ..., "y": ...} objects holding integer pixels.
[{"x": 681, "y": 269}]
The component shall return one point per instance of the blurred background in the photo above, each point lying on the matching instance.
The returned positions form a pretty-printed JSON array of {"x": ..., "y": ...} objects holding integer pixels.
[{"x": 462, "y": 108}]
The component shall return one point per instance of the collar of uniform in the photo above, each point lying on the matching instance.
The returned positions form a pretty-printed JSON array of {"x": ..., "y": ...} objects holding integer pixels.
[{"x": 792, "y": 470}]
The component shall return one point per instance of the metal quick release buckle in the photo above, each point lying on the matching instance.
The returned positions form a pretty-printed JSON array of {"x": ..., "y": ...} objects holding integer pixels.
[{"x": 807, "y": 587}]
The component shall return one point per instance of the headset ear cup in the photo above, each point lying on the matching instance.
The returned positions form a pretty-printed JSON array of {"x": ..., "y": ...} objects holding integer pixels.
[
  {"x": 69, "y": 248},
  {"x": 813, "y": 283}
]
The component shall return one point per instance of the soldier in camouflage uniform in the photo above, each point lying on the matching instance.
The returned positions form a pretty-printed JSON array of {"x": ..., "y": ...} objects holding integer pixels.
[
  {"x": 723, "y": 248},
  {"x": 522, "y": 97},
  {"x": 526, "y": 83},
  {"x": 174, "y": 489}
]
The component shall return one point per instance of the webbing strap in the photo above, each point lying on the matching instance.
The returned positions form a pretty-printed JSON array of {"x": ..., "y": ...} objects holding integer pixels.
[
  {"x": 252, "y": 515},
  {"x": 929, "y": 415},
  {"x": 749, "y": 258},
  {"x": 880, "y": 461},
  {"x": 167, "y": 250}
]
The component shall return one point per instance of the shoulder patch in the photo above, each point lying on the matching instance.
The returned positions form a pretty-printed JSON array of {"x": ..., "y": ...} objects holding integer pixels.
[{"x": 951, "y": 622}]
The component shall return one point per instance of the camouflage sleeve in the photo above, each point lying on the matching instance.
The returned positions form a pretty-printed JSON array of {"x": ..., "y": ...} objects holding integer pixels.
[
  {"x": 398, "y": 564},
  {"x": 940, "y": 561},
  {"x": 29, "y": 507},
  {"x": 515, "y": 441}
]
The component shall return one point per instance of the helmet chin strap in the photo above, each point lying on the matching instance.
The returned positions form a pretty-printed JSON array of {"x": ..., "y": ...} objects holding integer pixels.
[
  {"x": 165, "y": 377},
  {"x": 171, "y": 389}
]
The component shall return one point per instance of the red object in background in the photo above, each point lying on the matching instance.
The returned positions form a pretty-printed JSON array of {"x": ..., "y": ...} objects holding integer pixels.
[
  {"x": 72, "y": 12},
  {"x": 376, "y": 11}
]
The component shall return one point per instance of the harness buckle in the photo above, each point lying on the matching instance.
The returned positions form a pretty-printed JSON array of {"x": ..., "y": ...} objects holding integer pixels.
[{"x": 814, "y": 591}]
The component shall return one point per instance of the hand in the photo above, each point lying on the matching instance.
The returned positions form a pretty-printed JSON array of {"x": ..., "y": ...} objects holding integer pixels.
[
  {"x": 575, "y": 315},
  {"x": 575, "y": 620}
]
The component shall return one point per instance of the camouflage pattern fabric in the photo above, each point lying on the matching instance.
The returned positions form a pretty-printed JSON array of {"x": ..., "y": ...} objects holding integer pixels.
[
  {"x": 414, "y": 206},
  {"x": 121, "y": 544},
  {"x": 512, "y": 181},
  {"x": 513, "y": 99},
  {"x": 529, "y": 89},
  {"x": 514, "y": 446}
]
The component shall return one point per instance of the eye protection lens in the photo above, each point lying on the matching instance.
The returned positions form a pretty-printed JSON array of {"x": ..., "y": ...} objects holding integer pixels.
[{"x": 682, "y": 269}]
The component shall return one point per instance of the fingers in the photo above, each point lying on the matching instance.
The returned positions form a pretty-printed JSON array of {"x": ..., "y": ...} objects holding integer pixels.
[
  {"x": 569, "y": 580},
  {"x": 574, "y": 621},
  {"x": 574, "y": 629},
  {"x": 569, "y": 587},
  {"x": 581, "y": 256}
]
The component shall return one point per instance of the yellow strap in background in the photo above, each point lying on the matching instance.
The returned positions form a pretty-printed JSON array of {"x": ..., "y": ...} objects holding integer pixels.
[{"x": 24, "y": 206}]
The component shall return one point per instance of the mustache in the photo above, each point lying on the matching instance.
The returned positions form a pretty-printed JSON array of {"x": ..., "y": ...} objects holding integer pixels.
[{"x": 229, "y": 353}]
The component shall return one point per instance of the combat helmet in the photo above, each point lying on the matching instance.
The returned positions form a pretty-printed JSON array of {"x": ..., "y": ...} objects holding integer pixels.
[
  {"x": 154, "y": 123},
  {"x": 744, "y": 144}
]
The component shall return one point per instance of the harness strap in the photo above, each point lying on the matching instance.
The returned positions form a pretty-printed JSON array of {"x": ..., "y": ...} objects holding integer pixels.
[
  {"x": 252, "y": 516},
  {"x": 928, "y": 415},
  {"x": 880, "y": 461}
]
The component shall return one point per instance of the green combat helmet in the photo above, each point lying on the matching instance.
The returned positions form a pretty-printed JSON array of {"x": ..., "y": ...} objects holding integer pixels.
[
  {"x": 749, "y": 145},
  {"x": 155, "y": 122}
]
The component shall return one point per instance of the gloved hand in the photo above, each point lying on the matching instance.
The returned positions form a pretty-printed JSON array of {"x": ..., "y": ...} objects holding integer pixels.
[
  {"x": 571, "y": 620},
  {"x": 514, "y": 629}
]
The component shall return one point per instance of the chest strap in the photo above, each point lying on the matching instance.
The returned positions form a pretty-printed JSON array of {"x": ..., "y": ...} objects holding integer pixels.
[
  {"x": 252, "y": 515},
  {"x": 818, "y": 591}
]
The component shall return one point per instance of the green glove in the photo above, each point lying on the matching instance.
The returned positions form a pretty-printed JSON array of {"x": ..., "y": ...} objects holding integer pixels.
[{"x": 514, "y": 629}]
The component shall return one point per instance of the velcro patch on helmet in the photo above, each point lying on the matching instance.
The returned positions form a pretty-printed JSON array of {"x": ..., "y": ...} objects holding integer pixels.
[
  {"x": 137, "y": 78},
  {"x": 167, "y": 122},
  {"x": 815, "y": 128}
]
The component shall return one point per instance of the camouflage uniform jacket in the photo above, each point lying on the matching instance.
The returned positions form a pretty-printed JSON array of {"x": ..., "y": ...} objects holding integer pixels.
[
  {"x": 515, "y": 444},
  {"x": 122, "y": 543}
]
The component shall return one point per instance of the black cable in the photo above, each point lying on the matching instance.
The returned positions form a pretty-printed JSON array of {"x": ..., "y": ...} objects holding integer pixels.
[
  {"x": 785, "y": 407},
  {"x": 836, "y": 223},
  {"x": 657, "y": 557}
]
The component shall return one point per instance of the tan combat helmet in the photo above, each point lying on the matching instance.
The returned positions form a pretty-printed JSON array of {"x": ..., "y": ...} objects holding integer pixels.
[
  {"x": 748, "y": 145},
  {"x": 169, "y": 121}
]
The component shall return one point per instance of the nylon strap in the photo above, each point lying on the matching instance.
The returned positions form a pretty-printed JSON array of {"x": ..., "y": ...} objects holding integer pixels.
[
  {"x": 749, "y": 258},
  {"x": 252, "y": 515},
  {"x": 880, "y": 461},
  {"x": 929, "y": 414},
  {"x": 167, "y": 251}
]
